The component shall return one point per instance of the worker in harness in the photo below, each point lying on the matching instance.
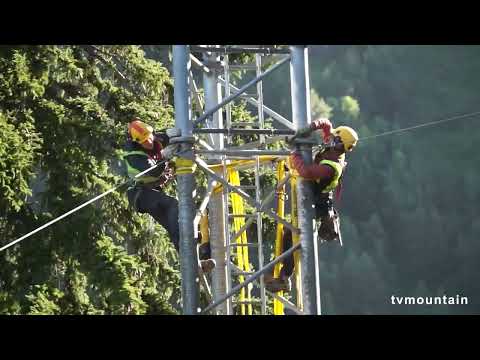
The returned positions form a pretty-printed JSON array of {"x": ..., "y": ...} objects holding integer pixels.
[
  {"x": 145, "y": 148},
  {"x": 326, "y": 172}
]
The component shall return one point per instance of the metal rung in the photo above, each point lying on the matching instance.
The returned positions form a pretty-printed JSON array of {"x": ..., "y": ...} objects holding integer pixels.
[
  {"x": 237, "y": 50},
  {"x": 251, "y": 302},
  {"x": 247, "y": 244},
  {"x": 248, "y": 96},
  {"x": 247, "y": 187},
  {"x": 236, "y": 157},
  {"x": 244, "y": 124},
  {"x": 240, "y": 215},
  {"x": 240, "y": 273},
  {"x": 243, "y": 67}
]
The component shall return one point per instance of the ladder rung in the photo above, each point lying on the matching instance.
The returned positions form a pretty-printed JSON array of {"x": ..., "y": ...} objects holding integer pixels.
[
  {"x": 247, "y": 187},
  {"x": 244, "y": 124},
  {"x": 243, "y": 96},
  {"x": 243, "y": 67},
  {"x": 247, "y": 244},
  {"x": 240, "y": 273},
  {"x": 238, "y": 157},
  {"x": 246, "y": 302},
  {"x": 241, "y": 215},
  {"x": 237, "y": 50}
]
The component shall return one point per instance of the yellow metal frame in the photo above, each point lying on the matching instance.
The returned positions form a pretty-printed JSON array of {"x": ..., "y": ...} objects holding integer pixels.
[
  {"x": 278, "y": 308},
  {"x": 243, "y": 262},
  {"x": 238, "y": 208},
  {"x": 244, "y": 163},
  {"x": 296, "y": 240}
]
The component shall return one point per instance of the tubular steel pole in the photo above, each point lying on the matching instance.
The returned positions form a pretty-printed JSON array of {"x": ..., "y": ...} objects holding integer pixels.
[
  {"x": 300, "y": 88},
  {"x": 213, "y": 95},
  {"x": 217, "y": 221},
  {"x": 185, "y": 183}
]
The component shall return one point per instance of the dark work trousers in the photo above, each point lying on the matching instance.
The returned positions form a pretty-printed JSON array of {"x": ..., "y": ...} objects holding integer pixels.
[
  {"x": 163, "y": 208},
  {"x": 323, "y": 202}
]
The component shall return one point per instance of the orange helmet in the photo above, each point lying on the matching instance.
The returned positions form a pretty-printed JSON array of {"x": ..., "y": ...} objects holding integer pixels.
[{"x": 140, "y": 132}]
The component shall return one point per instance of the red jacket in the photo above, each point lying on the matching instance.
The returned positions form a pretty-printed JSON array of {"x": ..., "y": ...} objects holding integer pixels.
[
  {"x": 313, "y": 171},
  {"x": 322, "y": 173}
]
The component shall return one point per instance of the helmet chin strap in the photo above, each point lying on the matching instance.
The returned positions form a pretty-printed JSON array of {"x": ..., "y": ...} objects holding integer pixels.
[{"x": 332, "y": 144}]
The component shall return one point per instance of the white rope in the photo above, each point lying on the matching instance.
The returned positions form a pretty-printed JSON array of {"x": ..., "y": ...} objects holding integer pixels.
[
  {"x": 77, "y": 208},
  {"x": 153, "y": 167},
  {"x": 421, "y": 125}
]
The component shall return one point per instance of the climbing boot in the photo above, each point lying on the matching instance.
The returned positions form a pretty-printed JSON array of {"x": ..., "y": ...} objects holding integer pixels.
[
  {"x": 275, "y": 285},
  {"x": 204, "y": 252},
  {"x": 207, "y": 265},
  {"x": 329, "y": 229}
]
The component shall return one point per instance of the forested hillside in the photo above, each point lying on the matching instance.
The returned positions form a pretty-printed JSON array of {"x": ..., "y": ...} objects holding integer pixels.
[
  {"x": 410, "y": 201},
  {"x": 63, "y": 115},
  {"x": 408, "y": 208}
]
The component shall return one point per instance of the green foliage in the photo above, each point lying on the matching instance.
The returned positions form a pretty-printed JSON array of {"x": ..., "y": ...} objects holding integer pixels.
[
  {"x": 18, "y": 147},
  {"x": 63, "y": 111},
  {"x": 319, "y": 107},
  {"x": 408, "y": 203},
  {"x": 408, "y": 207},
  {"x": 43, "y": 300},
  {"x": 349, "y": 106}
]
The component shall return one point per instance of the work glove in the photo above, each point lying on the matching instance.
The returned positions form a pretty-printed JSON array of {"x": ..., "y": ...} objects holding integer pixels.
[
  {"x": 170, "y": 151},
  {"x": 325, "y": 126}
]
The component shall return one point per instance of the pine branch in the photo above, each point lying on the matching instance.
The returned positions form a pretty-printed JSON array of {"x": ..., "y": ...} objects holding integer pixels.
[{"x": 94, "y": 52}]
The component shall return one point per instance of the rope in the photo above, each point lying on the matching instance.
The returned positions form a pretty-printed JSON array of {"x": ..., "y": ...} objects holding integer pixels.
[
  {"x": 80, "y": 207},
  {"x": 422, "y": 125},
  {"x": 188, "y": 168}
]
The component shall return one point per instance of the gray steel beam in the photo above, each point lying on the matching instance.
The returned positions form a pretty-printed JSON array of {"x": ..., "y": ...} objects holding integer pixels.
[
  {"x": 185, "y": 184},
  {"x": 241, "y": 91},
  {"x": 247, "y": 197},
  {"x": 246, "y": 153},
  {"x": 244, "y": 131},
  {"x": 204, "y": 144},
  {"x": 276, "y": 116},
  {"x": 252, "y": 278},
  {"x": 244, "y": 227},
  {"x": 256, "y": 144},
  {"x": 239, "y": 50},
  {"x": 200, "y": 64},
  {"x": 213, "y": 95},
  {"x": 300, "y": 89},
  {"x": 286, "y": 303},
  {"x": 217, "y": 221}
]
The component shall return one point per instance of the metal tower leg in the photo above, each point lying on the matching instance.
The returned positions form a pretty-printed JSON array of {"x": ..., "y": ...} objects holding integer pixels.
[
  {"x": 300, "y": 88},
  {"x": 220, "y": 278},
  {"x": 258, "y": 65},
  {"x": 222, "y": 240},
  {"x": 188, "y": 253}
]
